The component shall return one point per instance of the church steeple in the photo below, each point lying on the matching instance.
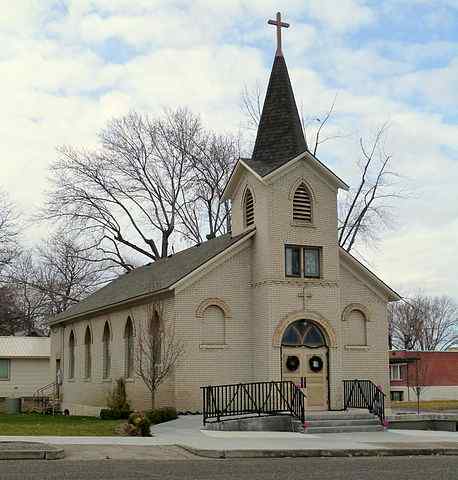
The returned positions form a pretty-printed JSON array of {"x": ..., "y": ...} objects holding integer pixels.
[{"x": 280, "y": 137}]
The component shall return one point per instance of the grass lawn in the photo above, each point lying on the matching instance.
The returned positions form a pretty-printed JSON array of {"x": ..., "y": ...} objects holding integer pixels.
[
  {"x": 428, "y": 405},
  {"x": 37, "y": 424}
]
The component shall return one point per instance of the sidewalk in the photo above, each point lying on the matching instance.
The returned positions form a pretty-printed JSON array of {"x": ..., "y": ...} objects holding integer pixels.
[{"x": 186, "y": 432}]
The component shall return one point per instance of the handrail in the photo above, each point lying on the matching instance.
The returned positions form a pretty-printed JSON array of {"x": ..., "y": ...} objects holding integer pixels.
[
  {"x": 46, "y": 395},
  {"x": 259, "y": 398},
  {"x": 364, "y": 394}
]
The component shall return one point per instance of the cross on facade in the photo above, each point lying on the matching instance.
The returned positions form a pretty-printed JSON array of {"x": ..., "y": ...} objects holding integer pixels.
[
  {"x": 279, "y": 24},
  {"x": 306, "y": 296}
]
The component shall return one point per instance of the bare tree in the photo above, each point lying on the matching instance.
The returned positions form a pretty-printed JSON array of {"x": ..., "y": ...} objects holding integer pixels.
[
  {"x": 424, "y": 323},
  {"x": 149, "y": 176},
  {"x": 365, "y": 210},
  {"x": 158, "y": 350},
  {"x": 53, "y": 276},
  {"x": 10, "y": 316},
  {"x": 9, "y": 230},
  {"x": 212, "y": 158},
  {"x": 418, "y": 381}
]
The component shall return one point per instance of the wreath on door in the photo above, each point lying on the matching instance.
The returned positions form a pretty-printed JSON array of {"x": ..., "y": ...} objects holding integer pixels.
[
  {"x": 292, "y": 363},
  {"x": 316, "y": 364}
]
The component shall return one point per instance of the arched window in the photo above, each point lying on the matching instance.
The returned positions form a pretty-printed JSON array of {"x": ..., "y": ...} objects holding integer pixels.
[
  {"x": 248, "y": 207},
  {"x": 106, "y": 340},
  {"x": 154, "y": 331},
  {"x": 356, "y": 328},
  {"x": 303, "y": 333},
  {"x": 129, "y": 348},
  {"x": 302, "y": 204},
  {"x": 71, "y": 355},
  {"x": 213, "y": 326},
  {"x": 87, "y": 353}
]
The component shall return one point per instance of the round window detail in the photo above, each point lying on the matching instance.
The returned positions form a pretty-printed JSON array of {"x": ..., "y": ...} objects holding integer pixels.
[
  {"x": 292, "y": 363},
  {"x": 316, "y": 364}
]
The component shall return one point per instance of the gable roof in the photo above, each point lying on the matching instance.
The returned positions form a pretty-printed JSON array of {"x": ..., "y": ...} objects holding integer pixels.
[
  {"x": 25, "y": 347},
  {"x": 392, "y": 295},
  {"x": 151, "y": 278},
  {"x": 280, "y": 137}
]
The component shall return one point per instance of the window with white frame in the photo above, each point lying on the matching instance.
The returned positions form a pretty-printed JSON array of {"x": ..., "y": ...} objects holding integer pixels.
[
  {"x": 302, "y": 261},
  {"x": 396, "y": 371}
]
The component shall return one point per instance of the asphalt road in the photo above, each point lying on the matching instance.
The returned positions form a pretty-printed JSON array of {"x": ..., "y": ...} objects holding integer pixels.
[{"x": 405, "y": 468}]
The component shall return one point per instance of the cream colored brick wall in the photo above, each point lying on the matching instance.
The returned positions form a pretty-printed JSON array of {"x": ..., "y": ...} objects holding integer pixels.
[
  {"x": 27, "y": 375},
  {"x": 87, "y": 396},
  {"x": 227, "y": 281}
]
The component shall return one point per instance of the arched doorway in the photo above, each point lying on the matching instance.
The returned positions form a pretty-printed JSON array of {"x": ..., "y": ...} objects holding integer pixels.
[{"x": 304, "y": 356}]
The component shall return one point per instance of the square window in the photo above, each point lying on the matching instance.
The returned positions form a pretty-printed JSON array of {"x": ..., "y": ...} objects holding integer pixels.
[
  {"x": 4, "y": 369},
  {"x": 311, "y": 262},
  {"x": 397, "y": 396},
  {"x": 293, "y": 261}
]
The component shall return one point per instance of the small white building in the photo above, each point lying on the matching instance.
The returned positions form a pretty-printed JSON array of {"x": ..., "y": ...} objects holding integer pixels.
[{"x": 24, "y": 366}]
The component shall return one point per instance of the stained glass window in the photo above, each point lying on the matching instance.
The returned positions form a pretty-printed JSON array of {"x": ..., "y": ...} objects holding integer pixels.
[{"x": 303, "y": 333}]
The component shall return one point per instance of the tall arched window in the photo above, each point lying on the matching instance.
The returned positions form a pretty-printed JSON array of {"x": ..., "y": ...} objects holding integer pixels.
[
  {"x": 302, "y": 204},
  {"x": 106, "y": 340},
  {"x": 154, "y": 331},
  {"x": 213, "y": 329},
  {"x": 71, "y": 355},
  {"x": 248, "y": 208},
  {"x": 129, "y": 348},
  {"x": 356, "y": 330},
  {"x": 87, "y": 353}
]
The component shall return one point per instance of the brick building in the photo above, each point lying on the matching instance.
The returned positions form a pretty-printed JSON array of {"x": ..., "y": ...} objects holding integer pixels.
[
  {"x": 277, "y": 298},
  {"x": 436, "y": 373}
]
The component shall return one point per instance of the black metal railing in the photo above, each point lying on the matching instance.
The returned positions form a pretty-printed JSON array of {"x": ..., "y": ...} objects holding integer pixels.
[
  {"x": 258, "y": 398},
  {"x": 47, "y": 398},
  {"x": 364, "y": 394}
]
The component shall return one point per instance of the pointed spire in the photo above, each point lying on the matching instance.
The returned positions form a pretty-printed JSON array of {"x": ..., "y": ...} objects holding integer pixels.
[{"x": 280, "y": 137}]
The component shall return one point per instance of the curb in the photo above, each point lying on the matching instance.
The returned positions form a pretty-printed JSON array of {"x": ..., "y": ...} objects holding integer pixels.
[
  {"x": 376, "y": 452},
  {"x": 30, "y": 451}
]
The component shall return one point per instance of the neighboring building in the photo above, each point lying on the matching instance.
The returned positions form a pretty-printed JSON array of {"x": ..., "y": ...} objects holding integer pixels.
[
  {"x": 436, "y": 373},
  {"x": 258, "y": 304},
  {"x": 24, "y": 366}
]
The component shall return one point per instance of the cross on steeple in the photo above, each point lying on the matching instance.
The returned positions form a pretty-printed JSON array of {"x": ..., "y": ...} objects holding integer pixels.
[{"x": 279, "y": 24}]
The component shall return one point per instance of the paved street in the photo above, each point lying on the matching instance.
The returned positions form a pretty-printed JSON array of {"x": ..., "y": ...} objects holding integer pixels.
[{"x": 407, "y": 468}]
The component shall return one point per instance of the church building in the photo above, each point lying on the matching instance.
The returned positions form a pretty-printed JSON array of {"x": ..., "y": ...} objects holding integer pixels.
[{"x": 274, "y": 299}]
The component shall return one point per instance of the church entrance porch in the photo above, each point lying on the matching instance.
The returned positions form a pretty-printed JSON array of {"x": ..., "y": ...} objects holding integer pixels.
[{"x": 304, "y": 357}]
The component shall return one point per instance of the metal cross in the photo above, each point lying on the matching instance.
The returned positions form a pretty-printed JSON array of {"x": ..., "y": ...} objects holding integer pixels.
[{"x": 279, "y": 24}]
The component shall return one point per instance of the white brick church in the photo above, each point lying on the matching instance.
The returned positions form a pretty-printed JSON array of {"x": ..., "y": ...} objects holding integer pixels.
[{"x": 253, "y": 305}]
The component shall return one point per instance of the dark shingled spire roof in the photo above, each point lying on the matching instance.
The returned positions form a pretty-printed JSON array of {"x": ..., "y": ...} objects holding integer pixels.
[{"x": 280, "y": 137}]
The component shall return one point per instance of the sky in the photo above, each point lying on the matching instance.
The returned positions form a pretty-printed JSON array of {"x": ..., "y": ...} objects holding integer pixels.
[{"x": 69, "y": 66}]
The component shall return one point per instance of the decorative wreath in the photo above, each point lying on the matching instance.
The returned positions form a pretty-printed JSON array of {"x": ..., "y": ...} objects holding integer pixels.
[
  {"x": 316, "y": 364},
  {"x": 292, "y": 363}
]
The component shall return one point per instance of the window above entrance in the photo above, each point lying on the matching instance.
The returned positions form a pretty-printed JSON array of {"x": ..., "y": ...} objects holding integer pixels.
[
  {"x": 303, "y": 333},
  {"x": 302, "y": 261}
]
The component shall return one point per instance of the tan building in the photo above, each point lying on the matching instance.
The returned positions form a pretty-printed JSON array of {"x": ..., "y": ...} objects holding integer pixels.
[
  {"x": 24, "y": 366},
  {"x": 277, "y": 298}
]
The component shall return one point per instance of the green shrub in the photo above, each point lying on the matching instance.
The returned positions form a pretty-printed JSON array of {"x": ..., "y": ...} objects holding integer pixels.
[
  {"x": 117, "y": 398},
  {"x": 161, "y": 415},
  {"x": 114, "y": 414},
  {"x": 138, "y": 425}
]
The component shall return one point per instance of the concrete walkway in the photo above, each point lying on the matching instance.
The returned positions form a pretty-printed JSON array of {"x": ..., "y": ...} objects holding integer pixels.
[{"x": 186, "y": 432}]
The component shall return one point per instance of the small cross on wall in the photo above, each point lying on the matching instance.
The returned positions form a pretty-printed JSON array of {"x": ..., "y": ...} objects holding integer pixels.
[{"x": 279, "y": 24}]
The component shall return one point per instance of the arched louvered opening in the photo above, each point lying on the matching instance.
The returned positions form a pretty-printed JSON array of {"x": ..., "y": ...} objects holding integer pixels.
[
  {"x": 87, "y": 353},
  {"x": 249, "y": 208},
  {"x": 71, "y": 355},
  {"x": 106, "y": 340},
  {"x": 129, "y": 348},
  {"x": 302, "y": 204}
]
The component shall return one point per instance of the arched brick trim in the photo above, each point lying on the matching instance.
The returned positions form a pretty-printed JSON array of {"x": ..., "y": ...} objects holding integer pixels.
[
  {"x": 356, "y": 306},
  {"x": 246, "y": 187},
  {"x": 296, "y": 184},
  {"x": 213, "y": 302},
  {"x": 91, "y": 331},
  {"x": 131, "y": 318},
  {"x": 110, "y": 328},
  {"x": 330, "y": 334}
]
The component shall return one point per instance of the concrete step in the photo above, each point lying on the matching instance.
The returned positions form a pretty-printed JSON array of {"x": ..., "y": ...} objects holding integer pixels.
[
  {"x": 343, "y": 423},
  {"x": 338, "y": 416},
  {"x": 344, "y": 429}
]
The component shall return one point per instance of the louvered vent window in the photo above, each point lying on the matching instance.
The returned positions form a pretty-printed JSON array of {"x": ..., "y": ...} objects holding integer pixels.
[
  {"x": 249, "y": 209},
  {"x": 302, "y": 204}
]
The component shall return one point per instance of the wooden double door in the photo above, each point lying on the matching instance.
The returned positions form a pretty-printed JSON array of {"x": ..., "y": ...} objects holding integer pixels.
[{"x": 308, "y": 369}]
